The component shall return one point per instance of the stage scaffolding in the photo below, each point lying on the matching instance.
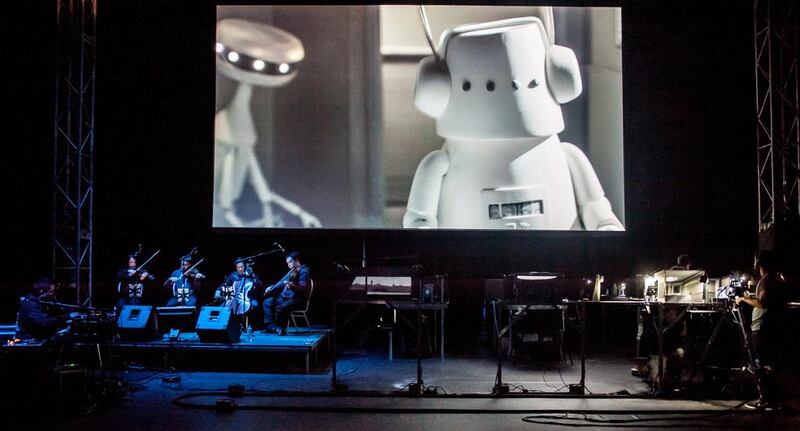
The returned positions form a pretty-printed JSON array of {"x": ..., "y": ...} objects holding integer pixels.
[
  {"x": 778, "y": 115},
  {"x": 73, "y": 182}
]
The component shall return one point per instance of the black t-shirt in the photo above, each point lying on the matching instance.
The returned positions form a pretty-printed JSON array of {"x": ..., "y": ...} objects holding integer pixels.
[{"x": 33, "y": 322}]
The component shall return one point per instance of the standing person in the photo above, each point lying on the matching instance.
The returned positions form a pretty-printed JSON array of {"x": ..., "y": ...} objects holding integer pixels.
[
  {"x": 288, "y": 294},
  {"x": 130, "y": 283},
  {"x": 184, "y": 282},
  {"x": 769, "y": 311}
]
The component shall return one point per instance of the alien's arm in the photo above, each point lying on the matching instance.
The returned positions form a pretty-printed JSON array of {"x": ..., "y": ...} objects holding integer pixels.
[
  {"x": 423, "y": 200},
  {"x": 595, "y": 210}
]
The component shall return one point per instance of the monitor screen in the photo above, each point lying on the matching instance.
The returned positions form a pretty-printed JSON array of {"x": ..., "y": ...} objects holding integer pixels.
[{"x": 371, "y": 117}]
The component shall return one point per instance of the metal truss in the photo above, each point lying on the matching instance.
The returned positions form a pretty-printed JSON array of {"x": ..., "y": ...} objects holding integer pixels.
[
  {"x": 73, "y": 182},
  {"x": 778, "y": 115}
]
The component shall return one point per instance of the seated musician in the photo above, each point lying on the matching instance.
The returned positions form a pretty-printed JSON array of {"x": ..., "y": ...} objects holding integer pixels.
[
  {"x": 33, "y": 323},
  {"x": 243, "y": 273},
  {"x": 130, "y": 283},
  {"x": 184, "y": 282},
  {"x": 288, "y": 294}
]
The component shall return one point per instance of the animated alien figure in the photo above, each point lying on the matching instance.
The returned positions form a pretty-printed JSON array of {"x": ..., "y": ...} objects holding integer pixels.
[
  {"x": 252, "y": 54},
  {"x": 495, "y": 92}
]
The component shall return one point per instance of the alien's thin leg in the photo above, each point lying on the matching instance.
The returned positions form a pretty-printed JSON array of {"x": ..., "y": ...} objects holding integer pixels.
[
  {"x": 230, "y": 186},
  {"x": 261, "y": 188}
]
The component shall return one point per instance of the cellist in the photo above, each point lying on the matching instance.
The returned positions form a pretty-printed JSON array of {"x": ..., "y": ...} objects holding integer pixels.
[{"x": 243, "y": 279}]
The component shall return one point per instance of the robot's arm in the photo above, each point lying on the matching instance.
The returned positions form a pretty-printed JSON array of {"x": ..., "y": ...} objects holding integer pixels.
[
  {"x": 595, "y": 210},
  {"x": 423, "y": 200}
]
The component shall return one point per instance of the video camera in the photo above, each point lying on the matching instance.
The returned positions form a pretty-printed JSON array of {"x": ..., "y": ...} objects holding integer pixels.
[{"x": 736, "y": 288}]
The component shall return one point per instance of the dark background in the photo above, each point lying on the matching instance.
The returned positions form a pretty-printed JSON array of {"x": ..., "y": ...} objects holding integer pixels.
[{"x": 689, "y": 153}]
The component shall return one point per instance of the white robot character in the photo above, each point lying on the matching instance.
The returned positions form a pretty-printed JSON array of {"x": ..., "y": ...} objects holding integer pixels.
[
  {"x": 495, "y": 89},
  {"x": 253, "y": 54}
]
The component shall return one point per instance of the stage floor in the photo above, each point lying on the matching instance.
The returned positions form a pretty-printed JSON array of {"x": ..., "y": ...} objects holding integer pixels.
[
  {"x": 304, "y": 401},
  {"x": 151, "y": 399}
]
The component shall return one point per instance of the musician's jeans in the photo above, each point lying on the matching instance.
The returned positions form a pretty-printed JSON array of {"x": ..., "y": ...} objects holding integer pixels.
[
  {"x": 128, "y": 301},
  {"x": 190, "y": 302},
  {"x": 276, "y": 311}
]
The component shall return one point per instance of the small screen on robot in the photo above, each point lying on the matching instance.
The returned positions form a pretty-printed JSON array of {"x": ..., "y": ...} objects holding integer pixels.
[{"x": 408, "y": 117}]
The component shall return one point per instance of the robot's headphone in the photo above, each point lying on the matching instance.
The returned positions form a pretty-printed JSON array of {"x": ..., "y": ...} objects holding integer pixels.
[{"x": 432, "y": 90}]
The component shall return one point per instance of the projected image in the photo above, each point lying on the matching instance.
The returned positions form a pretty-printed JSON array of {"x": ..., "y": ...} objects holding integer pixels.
[{"x": 371, "y": 117}]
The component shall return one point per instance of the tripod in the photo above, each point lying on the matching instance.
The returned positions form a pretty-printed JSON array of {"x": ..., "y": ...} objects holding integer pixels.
[{"x": 733, "y": 313}]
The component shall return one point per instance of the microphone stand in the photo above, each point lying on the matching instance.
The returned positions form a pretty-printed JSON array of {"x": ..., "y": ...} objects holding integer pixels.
[{"x": 253, "y": 257}]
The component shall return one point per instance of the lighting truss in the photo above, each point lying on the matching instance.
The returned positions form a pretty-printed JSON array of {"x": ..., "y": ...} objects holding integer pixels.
[
  {"x": 73, "y": 182},
  {"x": 778, "y": 115}
]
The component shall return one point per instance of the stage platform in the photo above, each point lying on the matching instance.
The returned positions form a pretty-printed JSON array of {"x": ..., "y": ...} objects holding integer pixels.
[{"x": 264, "y": 352}]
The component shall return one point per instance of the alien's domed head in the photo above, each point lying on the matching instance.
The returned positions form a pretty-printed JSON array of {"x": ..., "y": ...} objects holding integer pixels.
[
  {"x": 498, "y": 80},
  {"x": 256, "y": 54}
]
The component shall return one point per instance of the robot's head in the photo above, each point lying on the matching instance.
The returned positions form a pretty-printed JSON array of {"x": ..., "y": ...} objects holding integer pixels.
[
  {"x": 256, "y": 54},
  {"x": 498, "y": 80}
]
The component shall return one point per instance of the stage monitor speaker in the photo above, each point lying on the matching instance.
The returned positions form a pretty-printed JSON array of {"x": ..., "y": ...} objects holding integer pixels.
[
  {"x": 218, "y": 325},
  {"x": 137, "y": 322}
]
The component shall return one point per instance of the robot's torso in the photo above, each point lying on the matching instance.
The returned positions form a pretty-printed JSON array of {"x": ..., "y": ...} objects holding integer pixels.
[{"x": 513, "y": 184}]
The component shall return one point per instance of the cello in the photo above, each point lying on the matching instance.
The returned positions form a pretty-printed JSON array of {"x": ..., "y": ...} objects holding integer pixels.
[{"x": 239, "y": 299}]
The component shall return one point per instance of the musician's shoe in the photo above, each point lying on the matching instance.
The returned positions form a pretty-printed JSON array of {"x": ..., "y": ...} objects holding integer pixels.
[
  {"x": 270, "y": 329},
  {"x": 281, "y": 331}
]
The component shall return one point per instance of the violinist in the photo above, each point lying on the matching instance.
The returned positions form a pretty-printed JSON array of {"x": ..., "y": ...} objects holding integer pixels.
[
  {"x": 244, "y": 278},
  {"x": 130, "y": 282},
  {"x": 184, "y": 282},
  {"x": 288, "y": 294}
]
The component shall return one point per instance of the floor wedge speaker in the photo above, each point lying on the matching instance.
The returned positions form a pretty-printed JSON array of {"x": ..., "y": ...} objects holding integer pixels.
[
  {"x": 136, "y": 323},
  {"x": 217, "y": 325}
]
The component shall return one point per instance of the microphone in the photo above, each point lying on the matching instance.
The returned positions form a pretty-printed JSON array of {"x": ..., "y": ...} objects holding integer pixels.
[{"x": 280, "y": 247}]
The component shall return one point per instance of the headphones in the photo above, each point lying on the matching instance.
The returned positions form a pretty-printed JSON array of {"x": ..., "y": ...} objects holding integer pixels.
[{"x": 433, "y": 86}]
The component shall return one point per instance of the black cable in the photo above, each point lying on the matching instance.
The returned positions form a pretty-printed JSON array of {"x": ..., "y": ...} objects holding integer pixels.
[
  {"x": 181, "y": 401},
  {"x": 631, "y": 423},
  {"x": 354, "y": 370}
]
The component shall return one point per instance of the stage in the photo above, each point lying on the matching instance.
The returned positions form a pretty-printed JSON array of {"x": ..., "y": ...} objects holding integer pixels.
[{"x": 300, "y": 349}]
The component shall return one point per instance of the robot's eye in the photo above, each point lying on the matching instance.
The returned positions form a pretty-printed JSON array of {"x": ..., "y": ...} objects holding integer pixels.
[
  {"x": 515, "y": 84},
  {"x": 490, "y": 85},
  {"x": 533, "y": 83},
  {"x": 466, "y": 86}
]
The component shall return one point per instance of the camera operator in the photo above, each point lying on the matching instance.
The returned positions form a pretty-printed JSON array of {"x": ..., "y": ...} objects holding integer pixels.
[{"x": 768, "y": 321}]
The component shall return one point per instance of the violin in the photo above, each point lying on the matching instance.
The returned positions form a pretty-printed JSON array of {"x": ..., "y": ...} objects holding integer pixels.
[
  {"x": 194, "y": 273},
  {"x": 142, "y": 273},
  {"x": 286, "y": 283}
]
